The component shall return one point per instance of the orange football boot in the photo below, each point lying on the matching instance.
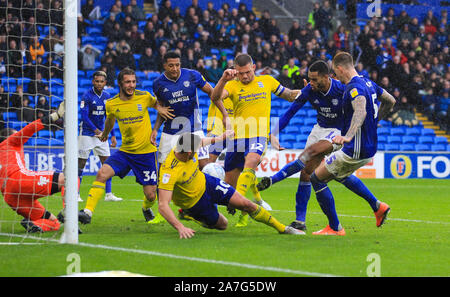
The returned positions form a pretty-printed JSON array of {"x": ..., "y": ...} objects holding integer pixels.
[
  {"x": 328, "y": 231},
  {"x": 381, "y": 213}
]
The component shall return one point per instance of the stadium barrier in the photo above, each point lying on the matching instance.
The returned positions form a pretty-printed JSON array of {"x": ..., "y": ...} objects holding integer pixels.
[{"x": 383, "y": 165}]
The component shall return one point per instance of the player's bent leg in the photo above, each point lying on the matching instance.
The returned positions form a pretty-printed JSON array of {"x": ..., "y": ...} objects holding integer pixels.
[
  {"x": 109, "y": 196},
  {"x": 259, "y": 214},
  {"x": 150, "y": 193},
  {"x": 231, "y": 178}
]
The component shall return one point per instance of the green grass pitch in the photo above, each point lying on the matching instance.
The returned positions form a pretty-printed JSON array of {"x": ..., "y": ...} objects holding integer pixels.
[{"x": 413, "y": 242}]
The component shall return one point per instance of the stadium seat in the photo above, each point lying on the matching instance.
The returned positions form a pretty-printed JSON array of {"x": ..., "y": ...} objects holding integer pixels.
[
  {"x": 312, "y": 113},
  {"x": 425, "y": 140},
  {"x": 56, "y": 142},
  {"x": 383, "y": 131},
  {"x": 397, "y": 131},
  {"x": 440, "y": 140},
  {"x": 422, "y": 147},
  {"x": 394, "y": 140},
  {"x": 291, "y": 129},
  {"x": 310, "y": 122},
  {"x": 305, "y": 130},
  {"x": 287, "y": 138},
  {"x": 296, "y": 121},
  {"x": 9, "y": 116},
  {"x": 380, "y": 146},
  {"x": 382, "y": 139},
  {"x": 438, "y": 147},
  {"x": 391, "y": 147},
  {"x": 406, "y": 147},
  {"x": 301, "y": 138},
  {"x": 427, "y": 132},
  {"x": 45, "y": 134},
  {"x": 384, "y": 123},
  {"x": 59, "y": 134},
  {"x": 409, "y": 139},
  {"x": 413, "y": 131}
]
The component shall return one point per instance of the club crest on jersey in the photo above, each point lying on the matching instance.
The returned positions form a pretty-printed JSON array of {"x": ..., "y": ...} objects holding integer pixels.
[
  {"x": 354, "y": 93},
  {"x": 260, "y": 84},
  {"x": 334, "y": 101},
  {"x": 186, "y": 84},
  {"x": 166, "y": 178},
  {"x": 139, "y": 107}
]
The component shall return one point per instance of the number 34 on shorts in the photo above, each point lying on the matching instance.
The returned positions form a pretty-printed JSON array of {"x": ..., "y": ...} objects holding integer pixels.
[{"x": 150, "y": 175}]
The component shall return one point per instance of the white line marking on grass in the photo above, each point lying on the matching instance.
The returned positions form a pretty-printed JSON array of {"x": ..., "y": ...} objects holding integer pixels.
[{"x": 194, "y": 259}]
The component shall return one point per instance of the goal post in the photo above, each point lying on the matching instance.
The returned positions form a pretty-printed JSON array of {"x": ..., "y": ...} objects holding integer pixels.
[{"x": 70, "y": 234}]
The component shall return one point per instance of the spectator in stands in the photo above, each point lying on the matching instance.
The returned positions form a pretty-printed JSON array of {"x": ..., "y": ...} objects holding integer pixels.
[
  {"x": 91, "y": 11},
  {"x": 148, "y": 62},
  {"x": 341, "y": 38},
  {"x": 4, "y": 102},
  {"x": 14, "y": 60},
  {"x": 16, "y": 98},
  {"x": 42, "y": 107},
  {"x": 36, "y": 48},
  {"x": 26, "y": 113},
  {"x": 214, "y": 72},
  {"x": 404, "y": 113},
  {"x": 110, "y": 69},
  {"x": 37, "y": 86},
  {"x": 89, "y": 57},
  {"x": 137, "y": 12},
  {"x": 2, "y": 66},
  {"x": 322, "y": 20},
  {"x": 125, "y": 59},
  {"x": 165, "y": 10}
]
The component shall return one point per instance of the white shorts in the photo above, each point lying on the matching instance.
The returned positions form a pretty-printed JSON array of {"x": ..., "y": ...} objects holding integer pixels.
[
  {"x": 318, "y": 133},
  {"x": 86, "y": 144},
  {"x": 169, "y": 141},
  {"x": 341, "y": 165}
]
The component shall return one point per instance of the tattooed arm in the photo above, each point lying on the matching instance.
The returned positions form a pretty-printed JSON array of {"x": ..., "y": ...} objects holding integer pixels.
[
  {"x": 359, "y": 115},
  {"x": 290, "y": 95},
  {"x": 387, "y": 102}
]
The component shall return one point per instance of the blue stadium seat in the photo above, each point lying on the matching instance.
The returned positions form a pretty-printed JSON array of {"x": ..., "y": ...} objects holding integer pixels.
[
  {"x": 425, "y": 140},
  {"x": 147, "y": 84},
  {"x": 296, "y": 121},
  {"x": 56, "y": 142},
  {"x": 59, "y": 134},
  {"x": 382, "y": 138},
  {"x": 391, "y": 147},
  {"x": 291, "y": 129},
  {"x": 9, "y": 116},
  {"x": 438, "y": 147},
  {"x": 397, "y": 131},
  {"x": 301, "y": 138},
  {"x": 413, "y": 131},
  {"x": 427, "y": 132},
  {"x": 380, "y": 146},
  {"x": 448, "y": 147},
  {"x": 384, "y": 123},
  {"x": 310, "y": 122},
  {"x": 287, "y": 137},
  {"x": 305, "y": 130},
  {"x": 394, "y": 139},
  {"x": 440, "y": 140},
  {"x": 409, "y": 139},
  {"x": 406, "y": 147},
  {"x": 312, "y": 113},
  {"x": 422, "y": 147},
  {"x": 45, "y": 134},
  {"x": 383, "y": 131}
]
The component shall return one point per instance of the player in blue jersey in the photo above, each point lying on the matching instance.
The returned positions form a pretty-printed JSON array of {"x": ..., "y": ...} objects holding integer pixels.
[
  {"x": 364, "y": 104},
  {"x": 177, "y": 88},
  {"x": 92, "y": 109},
  {"x": 325, "y": 95}
]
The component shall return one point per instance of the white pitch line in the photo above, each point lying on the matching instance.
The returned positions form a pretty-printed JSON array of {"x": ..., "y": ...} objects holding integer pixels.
[{"x": 194, "y": 259}]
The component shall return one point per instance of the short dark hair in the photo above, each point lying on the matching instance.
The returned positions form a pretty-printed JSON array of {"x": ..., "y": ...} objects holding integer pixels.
[
  {"x": 242, "y": 60},
  {"x": 171, "y": 55},
  {"x": 320, "y": 66},
  {"x": 99, "y": 73},
  {"x": 123, "y": 72},
  {"x": 343, "y": 59},
  {"x": 188, "y": 142},
  {"x": 5, "y": 133}
]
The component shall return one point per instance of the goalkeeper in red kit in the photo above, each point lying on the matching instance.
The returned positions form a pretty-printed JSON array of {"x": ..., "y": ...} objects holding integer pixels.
[{"x": 21, "y": 188}]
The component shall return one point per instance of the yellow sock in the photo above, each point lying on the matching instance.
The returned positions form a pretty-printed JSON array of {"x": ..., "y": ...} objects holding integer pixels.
[
  {"x": 96, "y": 193},
  {"x": 245, "y": 181},
  {"x": 263, "y": 216},
  {"x": 256, "y": 194}
]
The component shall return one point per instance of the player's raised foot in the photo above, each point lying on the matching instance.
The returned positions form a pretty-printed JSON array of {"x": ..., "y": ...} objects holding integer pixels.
[
  {"x": 158, "y": 219},
  {"x": 381, "y": 213},
  {"x": 243, "y": 221},
  {"x": 298, "y": 225},
  {"x": 264, "y": 183},
  {"x": 328, "y": 231},
  {"x": 84, "y": 216},
  {"x": 148, "y": 214},
  {"x": 112, "y": 197},
  {"x": 263, "y": 204},
  {"x": 30, "y": 226},
  {"x": 293, "y": 231}
]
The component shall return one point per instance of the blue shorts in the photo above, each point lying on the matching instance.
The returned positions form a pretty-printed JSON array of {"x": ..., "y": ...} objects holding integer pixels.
[
  {"x": 217, "y": 192},
  {"x": 144, "y": 166},
  {"x": 238, "y": 150}
]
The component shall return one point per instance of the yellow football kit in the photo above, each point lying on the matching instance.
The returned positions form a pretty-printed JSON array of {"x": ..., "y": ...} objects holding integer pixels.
[
  {"x": 215, "y": 117},
  {"x": 134, "y": 121}
]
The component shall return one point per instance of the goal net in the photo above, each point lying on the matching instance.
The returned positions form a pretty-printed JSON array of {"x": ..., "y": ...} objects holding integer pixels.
[{"x": 34, "y": 69}]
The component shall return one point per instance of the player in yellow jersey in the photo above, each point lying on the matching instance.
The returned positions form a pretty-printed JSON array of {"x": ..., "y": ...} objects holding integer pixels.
[
  {"x": 251, "y": 96},
  {"x": 137, "y": 153},
  {"x": 198, "y": 194}
]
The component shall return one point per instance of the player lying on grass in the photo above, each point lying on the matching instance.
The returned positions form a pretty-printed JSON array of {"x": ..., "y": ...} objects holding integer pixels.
[
  {"x": 21, "y": 187},
  {"x": 325, "y": 95},
  {"x": 198, "y": 194}
]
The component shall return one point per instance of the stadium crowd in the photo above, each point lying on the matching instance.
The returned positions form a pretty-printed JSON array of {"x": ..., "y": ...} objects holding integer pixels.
[{"x": 404, "y": 54}]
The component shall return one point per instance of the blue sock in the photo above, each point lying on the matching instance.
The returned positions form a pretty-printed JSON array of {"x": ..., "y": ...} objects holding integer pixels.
[
  {"x": 355, "y": 185},
  {"x": 301, "y": 200},
  {"x": 108, "y": 186},
  {"x": 288, "y": 170},
  {"x": 326, "y": 202}
]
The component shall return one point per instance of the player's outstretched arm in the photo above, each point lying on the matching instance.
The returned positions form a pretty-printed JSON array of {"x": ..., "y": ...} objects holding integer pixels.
[
  {"x": 164, "y": 198},
  {"x": 165, "y": 112},
  {"x": 211, "y": 140},
  {"x": 219, "y": 92},
  {"x": 109, "y": 125},
  {"x": 359, "y": 115},
  {"x": 290, "y": 95},
  {"x": 387, "y": 103}
]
